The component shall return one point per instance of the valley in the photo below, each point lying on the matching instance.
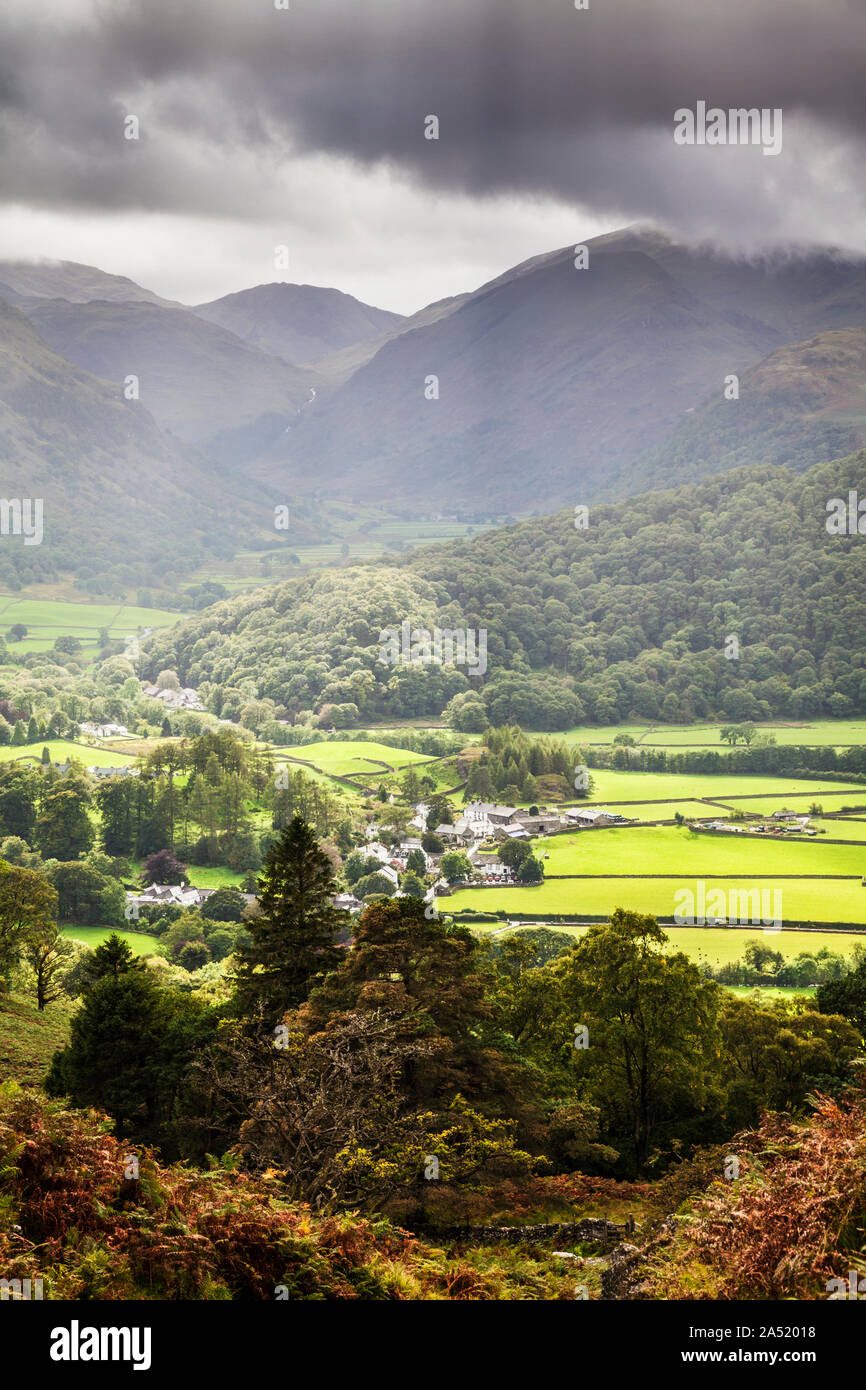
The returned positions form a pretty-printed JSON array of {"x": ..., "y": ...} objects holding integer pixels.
[
  {"x": 229, "y": 807},
  {"x": 432, "y": 679}
]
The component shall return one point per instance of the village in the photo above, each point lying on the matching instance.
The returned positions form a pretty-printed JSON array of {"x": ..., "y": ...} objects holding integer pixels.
[{"x": 480, "y": 832}]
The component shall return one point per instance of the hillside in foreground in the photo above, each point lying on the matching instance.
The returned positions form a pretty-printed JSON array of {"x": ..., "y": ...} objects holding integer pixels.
[
  {"x": 787, "y": 1226},
  {"x": 176, "y": 1233},
  {"x": 28, "y": 1038},
  {"x": 786, "y": 1223}
]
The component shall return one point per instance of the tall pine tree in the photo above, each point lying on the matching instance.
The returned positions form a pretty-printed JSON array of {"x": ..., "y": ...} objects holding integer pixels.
[{"x": 292, "y": 940}]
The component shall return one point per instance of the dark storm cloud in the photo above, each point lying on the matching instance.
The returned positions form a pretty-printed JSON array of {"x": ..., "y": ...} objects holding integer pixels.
[{"x": 534, "y": 97}]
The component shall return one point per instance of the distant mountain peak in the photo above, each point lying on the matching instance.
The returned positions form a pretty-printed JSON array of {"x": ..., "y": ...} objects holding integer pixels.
[{"x": 299, "y": 323}]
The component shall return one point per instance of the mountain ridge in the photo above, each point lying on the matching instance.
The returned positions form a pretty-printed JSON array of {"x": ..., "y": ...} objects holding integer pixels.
[
  {"x": 565, "y": 376},
  {"x": 80, "y": 283}
]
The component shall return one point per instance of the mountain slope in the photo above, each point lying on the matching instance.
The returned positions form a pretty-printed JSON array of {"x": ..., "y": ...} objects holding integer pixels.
[
  {"x": 299, "y": 323},
  {"x": 73, "y": 281},
  {"x": 627, "y": 619},
  {"x": 553, "y": 380},
  {"x": 339, "y": 366},
  {"x": 804, "y": 403},
  {"x": 199, "y": 380},
  {"x": 119, "y": 495}
]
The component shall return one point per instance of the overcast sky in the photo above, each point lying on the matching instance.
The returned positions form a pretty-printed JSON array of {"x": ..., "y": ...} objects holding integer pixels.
[{"x": 305, "y": 127}]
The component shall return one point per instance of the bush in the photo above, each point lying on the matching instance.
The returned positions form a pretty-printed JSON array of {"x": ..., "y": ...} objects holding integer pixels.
[
  {"x": 374, "y": 885},
  {"x": 194, "y": 955},
  {"x": 225, "y": 905}
]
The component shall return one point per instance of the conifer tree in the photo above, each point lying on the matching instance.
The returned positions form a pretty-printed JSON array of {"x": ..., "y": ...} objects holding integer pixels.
[
  {"x": 292, "y": 940},
  {"x": 114, "y": 957}
]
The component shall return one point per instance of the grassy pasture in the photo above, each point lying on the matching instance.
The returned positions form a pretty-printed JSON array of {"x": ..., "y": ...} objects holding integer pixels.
[
  {"x": 666, "y": 810},
  {"x": 345, "y": 789},
  {"x": 613, "y": 788},
  {"x": 765, "y": 805},
  {"x": 821, "y": 733},
  {"x": 64, "y": 750},
  {"x": 843, "y": 828},
  {"x": 213, "y": 876},
  {"x": 829, "y": 733},
  {"x": 355, "y": 756},
  {"x": 604, "y": 734},
  {"x": 139, "y": 942},
  {"x": 807, "y": 900},
  {"x": 767, "y": 993},
  {"x": 671, "y": 849},
  {"x": 200, "y": 876},
  {"x": 366, "y": 532},
  {"x": 722, "y": 946},
  {"x": 48, "y": 619}
]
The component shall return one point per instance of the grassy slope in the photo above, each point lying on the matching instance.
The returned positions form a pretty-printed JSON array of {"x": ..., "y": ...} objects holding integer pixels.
[
  {"x": 140, "y": 942},
  {"x": 29, "y": 1039},
  {"x": 341, "y": 758},
  {"x": 46, "y": 619},
  {"x": 806, "y": 900},
  {"x": 613, "y": 787},
  {"x": 63, "y": 750}
]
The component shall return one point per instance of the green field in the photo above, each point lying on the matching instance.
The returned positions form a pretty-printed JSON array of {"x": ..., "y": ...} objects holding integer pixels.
[
  {"x": 766, "y": 994},
  {"x": 841, "y": 828},
  {"x": 48, "y": 619},
  {"x": 366, "y": 533},
  {"x": 213, "y": 876},
  {"x": 63, "y": 750},
  {"x": 352, "y": 757},
  {"x": 612, "y": 788},
  {"x": 199, "y": 875},
  {"x": 603, "y": 734},
  {"x": 803, "y": 900},
  {"x": 139, "y": 942},
  {"x": 674, "y": 849},
  {"x": 822, "y": 733},
  {"x": 827, "y": 798},
  {"x": 345, "y": 789},
  {"x": 722, "y": 946},
  {"x": 666, "y": 810}
]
